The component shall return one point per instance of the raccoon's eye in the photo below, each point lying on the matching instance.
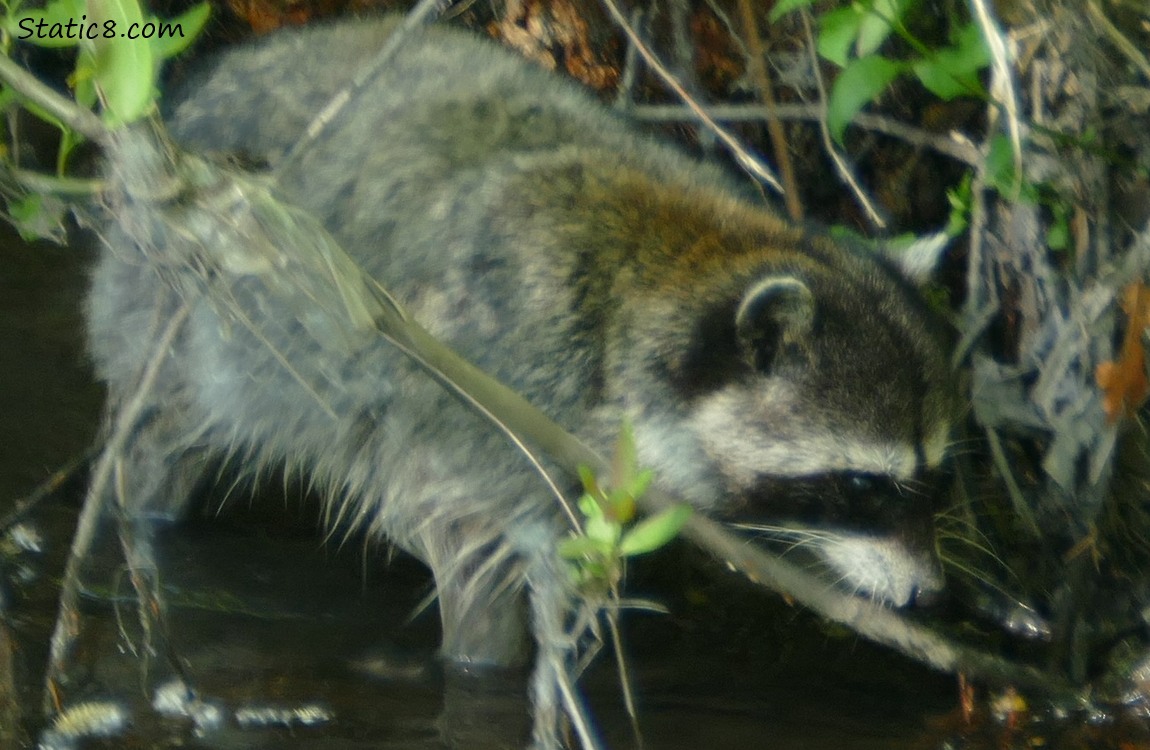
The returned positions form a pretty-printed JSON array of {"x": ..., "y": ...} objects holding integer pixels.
[
  {"x": 867, "y": 487},
  {"x": 862, "y": 484}
]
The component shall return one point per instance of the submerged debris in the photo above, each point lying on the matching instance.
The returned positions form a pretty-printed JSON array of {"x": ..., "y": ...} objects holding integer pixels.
[
  {"x": 260, "y": 716},
  {"x": 175, "y": 699},
  {"x": 93, "y": 719}
]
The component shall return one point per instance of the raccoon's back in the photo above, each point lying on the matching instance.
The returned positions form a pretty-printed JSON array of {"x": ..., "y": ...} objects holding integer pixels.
[{"x": 411, "y": 178}]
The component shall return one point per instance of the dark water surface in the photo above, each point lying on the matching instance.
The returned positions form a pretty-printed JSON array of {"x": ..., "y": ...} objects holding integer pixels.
[{"x": 266, "y": 617}]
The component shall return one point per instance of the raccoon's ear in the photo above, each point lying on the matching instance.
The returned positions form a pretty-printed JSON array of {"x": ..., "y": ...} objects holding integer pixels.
[
  {"x": 774, "y": 321},
  {"x": 920, "y": 259}
]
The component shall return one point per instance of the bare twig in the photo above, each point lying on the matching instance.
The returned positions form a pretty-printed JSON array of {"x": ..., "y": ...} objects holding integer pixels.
[
  {"x": 39, "y": 182},
  {"x": 28, "y": 503},
  {"x": 840, "y": 163},
  {"x": 423, "y": 12},
  {"x": 338, "y": 285},
  {"x": 954, "y": 145},
  {"x": 127, "y": 418},
  {"x": 1003, "y": 81},
  {"x": 1017, "y": 501},
  {"x": 630, "y": 70},
  {"x": 60, "y": 107},
  {"x": 729, "y": 25},
  {"x": 757, "y": 69},
  {"x": 1118, "y": 39},
  {"x": 747, "y": 160},
  {"x": 625, "y": 686}
]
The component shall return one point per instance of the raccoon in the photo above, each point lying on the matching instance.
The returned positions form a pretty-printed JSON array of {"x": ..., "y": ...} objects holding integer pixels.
[{"x": 773, "y": 377}]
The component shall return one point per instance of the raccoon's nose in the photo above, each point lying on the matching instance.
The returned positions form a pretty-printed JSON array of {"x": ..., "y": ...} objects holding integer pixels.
[
  {"x": 928, "y": 589},
  {"x": 926, "y": 597}
]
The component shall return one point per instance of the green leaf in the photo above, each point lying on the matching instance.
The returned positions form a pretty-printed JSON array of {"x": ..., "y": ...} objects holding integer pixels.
[
  {"x": 579, "y": 547},
  {"x": 39, "y": 217},
  {"x": 123, "y": 69},
  {"x": 639, "y": 484},
  {"x": 191, "y": 23},
  {"x": 25, "y": 210},
  {"x": 783, "y": 7},
  {"x": 654, "y": 531},
  {"x": 837, "y": 32},
  {"x": 1000, "y": 171},
  {"x": 587, "y": 477},
  {"x": 1001, "y": 174},
  {"x": 857, "y": 85},
  {"x": 620, "y": 506},
  {"x": 1058, "y": 236},
  {"x": 959, "y": 199},
  {"x": 44, "y": 115},
  {"x": 1000, "y": 161},
  {"x": 590, "y": 507},
  {"x": 602, "y": 530},
  {"x": 953, "y": 71},
  {"x": 876, "y": 24}
]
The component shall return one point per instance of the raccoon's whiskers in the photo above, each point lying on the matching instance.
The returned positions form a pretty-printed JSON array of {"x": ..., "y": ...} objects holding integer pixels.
[
  {"x": 962, "y": 446},
  {"x": 792, "y": 537},
  {"x": 956, "y": 528},
  {"x": 842, "y": 581},
  {"x": 961, "y": 531},
  {"x": 913, "y": 487}
]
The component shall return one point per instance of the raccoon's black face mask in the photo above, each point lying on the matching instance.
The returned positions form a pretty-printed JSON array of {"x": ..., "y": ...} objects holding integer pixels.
[{"x": 824, "y": 404}]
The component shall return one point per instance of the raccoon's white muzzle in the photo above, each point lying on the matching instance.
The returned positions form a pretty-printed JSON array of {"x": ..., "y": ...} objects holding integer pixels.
[{"x": 882, "y": 568}]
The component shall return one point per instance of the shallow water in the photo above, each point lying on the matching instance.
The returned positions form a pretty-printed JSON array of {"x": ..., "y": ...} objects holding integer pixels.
[{"x": 283, "y": 622}]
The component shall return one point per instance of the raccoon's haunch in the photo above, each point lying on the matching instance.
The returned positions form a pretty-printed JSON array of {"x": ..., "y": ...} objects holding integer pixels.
[{"x": 602, "y": 275}]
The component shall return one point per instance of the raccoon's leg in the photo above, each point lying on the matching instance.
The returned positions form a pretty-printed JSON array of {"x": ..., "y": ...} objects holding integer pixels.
[
  {"x": 484, "y": 613},
  {"x": 557, "y": 627},
  {"x": 154, "y": 480},
  {"x": 161, "y": 468},
  {"x": 479, "y": 584}
]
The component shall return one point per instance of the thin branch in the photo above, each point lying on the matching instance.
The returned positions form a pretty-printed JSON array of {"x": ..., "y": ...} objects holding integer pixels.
[
  {"x": 30, "y": 502},
  {"x": 127, "y": 418},
  {"x": 840, "y": 163},
  {"x": 71, "y": 187},
  {"x": 747, "y": 160},
  {"x": 626, "y": 86},
  {"x": 729, "y": 25},
  {"x": 612, "y": 616},
  {"x": 1017, "y": 501},
  {"x": 863, "y": 616},
  {"x": 424, "y": 12},
  {"x": 1003, "y": 81},
  {"x": 1118, "y": 39},
  {"x": 759, "y": 74},
  {"x": 354, "y": 297},
  {"x": 954, "y": 145},
  {"x": 61, "y": 107}
]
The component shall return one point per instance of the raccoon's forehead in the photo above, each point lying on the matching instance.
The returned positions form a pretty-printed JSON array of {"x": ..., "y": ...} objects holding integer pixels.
[{"x": 750, "y": 434}]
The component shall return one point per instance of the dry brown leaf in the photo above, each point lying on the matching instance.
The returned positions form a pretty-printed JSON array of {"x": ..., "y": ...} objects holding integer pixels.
[{"x": 1123, "y": 381}]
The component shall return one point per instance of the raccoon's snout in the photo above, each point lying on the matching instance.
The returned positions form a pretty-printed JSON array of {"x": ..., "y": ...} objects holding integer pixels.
[{"x": 884, "y": 568}]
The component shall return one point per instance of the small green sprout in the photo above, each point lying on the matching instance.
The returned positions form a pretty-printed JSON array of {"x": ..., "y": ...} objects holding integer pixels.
[{"x": 597, "y": 555}]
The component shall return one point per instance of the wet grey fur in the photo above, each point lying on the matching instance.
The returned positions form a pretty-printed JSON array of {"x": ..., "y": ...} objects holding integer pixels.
[{"x": 453, "y": 180}]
